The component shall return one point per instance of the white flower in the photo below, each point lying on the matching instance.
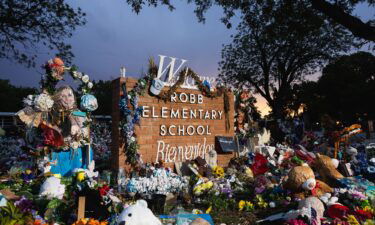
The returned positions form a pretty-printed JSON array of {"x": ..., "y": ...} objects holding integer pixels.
[
  {"x": 28, "y": 101},
  {"x": 79, "y": 75},
  {"x": 132, "y": 139},
  {"x": 43, "y": 102},
  {"x": 75, "y": 74},
  {"x": 90, "y": 85},
  {"x": 52, "y": 188},
  {"x": 85, "y": 78}
]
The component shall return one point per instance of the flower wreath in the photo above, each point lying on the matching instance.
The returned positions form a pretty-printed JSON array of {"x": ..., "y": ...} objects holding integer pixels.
[
  {"x": 55, "y": 70},
  {"x": 131, "y": 115},
  {"x": 39, "y": 111}
]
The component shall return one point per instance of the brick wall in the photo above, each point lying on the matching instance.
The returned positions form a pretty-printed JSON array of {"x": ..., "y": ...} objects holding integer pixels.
[{"x": 148, "y": 132}]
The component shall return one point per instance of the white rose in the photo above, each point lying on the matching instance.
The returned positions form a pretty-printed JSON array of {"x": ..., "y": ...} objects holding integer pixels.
[
  {"x": 90, "y": 85},
  {"x": 75, "y": 74},
  {"x": 79, "y": 75},
  {"x": 132, "y": 139},
  {"x": 43, "y": 102},
  {"x": 85, "y": 78}
]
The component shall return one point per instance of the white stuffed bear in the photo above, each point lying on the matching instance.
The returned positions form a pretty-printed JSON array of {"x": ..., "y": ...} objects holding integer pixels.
[
  {"x": 52, "y": 188},
  {"x": 138, "y": 214}
]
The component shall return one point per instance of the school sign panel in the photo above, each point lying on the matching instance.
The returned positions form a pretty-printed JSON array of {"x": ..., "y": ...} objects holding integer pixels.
[{"x": 179, "y": 129}]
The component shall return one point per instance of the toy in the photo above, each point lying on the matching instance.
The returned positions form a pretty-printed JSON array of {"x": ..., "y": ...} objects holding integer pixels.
[
  {"x": 301, "y": 179},
  {"x": 326, "y": 169},
  {"x": 138, "y": 214}
]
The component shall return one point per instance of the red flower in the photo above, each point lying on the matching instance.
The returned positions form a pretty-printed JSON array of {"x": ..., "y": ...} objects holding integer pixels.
[
  {"x": 363, "y": 215},
  {"x": 51, "y": 136},
  {"x": 338, "y": 211},
  {"x": 260, "y": 164},
  {"x": 104, "y": 190}
]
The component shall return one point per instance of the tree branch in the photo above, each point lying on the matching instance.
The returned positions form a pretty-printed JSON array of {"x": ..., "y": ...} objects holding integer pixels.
[{"x": 352, "y": 23}]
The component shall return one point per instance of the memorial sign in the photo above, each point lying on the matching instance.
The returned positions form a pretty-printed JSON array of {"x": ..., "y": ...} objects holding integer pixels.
[{"x": 179, "y": 128}]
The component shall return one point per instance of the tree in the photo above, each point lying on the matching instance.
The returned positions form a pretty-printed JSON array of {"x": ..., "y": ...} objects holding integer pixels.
[
  {"x": 346, "y": 87},
  {"x": 338, "y": 11},
  {"x": 11, "y": 96},
  {"x": 103, "y": 92},
  {"x": 344, "y": 92},
  {"x": 26, "y": 25},
  {"x": 276, "y": 46}
]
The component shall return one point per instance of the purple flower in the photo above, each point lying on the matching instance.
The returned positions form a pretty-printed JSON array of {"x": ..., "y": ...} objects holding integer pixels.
[{"x": 24, "y": 204}]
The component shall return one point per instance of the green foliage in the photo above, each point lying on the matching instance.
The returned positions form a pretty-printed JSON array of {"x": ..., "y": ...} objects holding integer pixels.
[
  {"x": 338, "y": 11},
  {"x": 54, "y": 203},
  {"x": 11, "y": 215},
  {"x": 11, "y": 96},
  {"x": 344, "y": 91},
  {"x": 102, "y": 90},
  {"x": 220, "y": 202},
  {"x": 277, "y": 45},
  {"x": 29, "y": 24}
]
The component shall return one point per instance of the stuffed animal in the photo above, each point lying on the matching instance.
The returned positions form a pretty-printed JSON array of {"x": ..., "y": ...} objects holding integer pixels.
[
  {"x": 52, "y": 188},
  {"x": 301, "y": 179},
  {"x": 138, "y": 214},
  {"x": 326, "y": 169}
]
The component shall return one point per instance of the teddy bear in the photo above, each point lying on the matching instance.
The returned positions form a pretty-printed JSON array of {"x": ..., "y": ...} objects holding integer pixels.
[
  {"x": 138, "y": 214},
  {"x": 326, "y": 168},
  {"x": 301, "y": 180}
]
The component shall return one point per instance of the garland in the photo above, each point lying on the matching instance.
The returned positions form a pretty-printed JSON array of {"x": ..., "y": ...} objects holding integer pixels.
[
  {"x": 55, "y": 70},
  {"x": 131, "y": 115}
]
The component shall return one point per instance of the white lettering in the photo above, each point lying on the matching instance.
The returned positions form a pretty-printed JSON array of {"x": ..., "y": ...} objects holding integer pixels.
[
  {"x": 153, "y": 113},
  {"x": 164, "y": 111},
  {"x": 173, "y": 97},
  {"x": 185, "y": 97},
  {"x": 207, "y": 116},
  {"x": 200, "y": 99},
  {"x": 145, "y": 110},
  {"x": 202, "y": 130},
  {"x": 213, "y": 112},
  {"x": 192, "y": 98},
  {"x": 220, "y": 113},
  {"x": 170, "y": 66},
  {"x": 192, "y": 128},
  {"x": 175, "y": 114},
  {"x": 184, "y": 113},
  {"x": 169, "y": 130},
  {"x": 163, "y": 130},
  {"x": 161, "y": 150}
]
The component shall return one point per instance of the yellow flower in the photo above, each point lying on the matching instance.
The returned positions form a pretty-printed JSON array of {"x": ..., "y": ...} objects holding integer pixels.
[
  {"x": 57, "y": 175},
  {"x": 209, "y": 210},
  {"x": 241, "y": 205},
  {"x": 80, "y": 176},
  {"x": 249, "y": 204},
  {"x": 352, "y": 220},
  {"x": 28, "y": 172},
  {"x": 369, "y": 222},
  {"x": 369, "y": 209},
  {"x": 218, "y": 171}
]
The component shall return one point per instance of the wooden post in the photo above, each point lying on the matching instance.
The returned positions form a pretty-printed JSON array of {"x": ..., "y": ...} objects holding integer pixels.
[{"x": 81, "y": 207}]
